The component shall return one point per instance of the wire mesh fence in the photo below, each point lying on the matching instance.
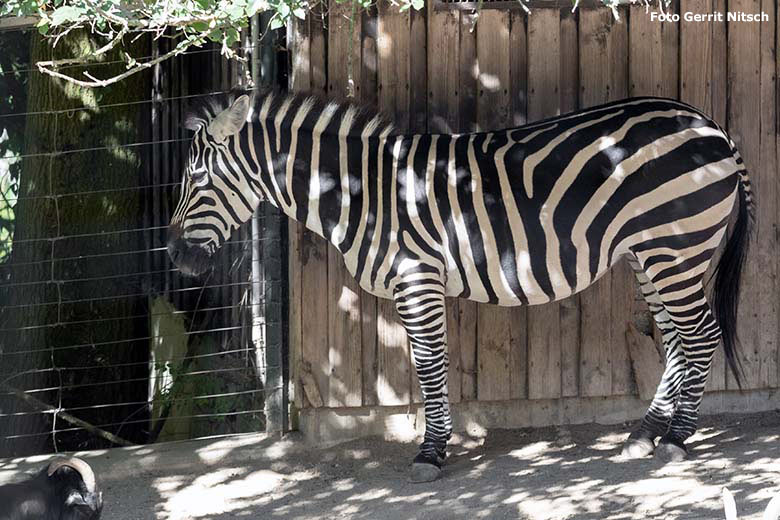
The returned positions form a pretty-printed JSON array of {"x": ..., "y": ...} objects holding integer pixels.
[{"x": 102, "y": 341}]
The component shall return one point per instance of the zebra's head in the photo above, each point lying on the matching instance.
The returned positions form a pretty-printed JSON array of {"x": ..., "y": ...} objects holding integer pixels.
[{"x": 216, "y": 196}]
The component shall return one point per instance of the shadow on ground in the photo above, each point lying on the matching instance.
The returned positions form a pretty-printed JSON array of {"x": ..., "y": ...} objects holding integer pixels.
[{"x": 558, "y": 472}]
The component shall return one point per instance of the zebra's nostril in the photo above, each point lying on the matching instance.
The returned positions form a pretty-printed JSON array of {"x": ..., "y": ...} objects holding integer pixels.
[{"x": 173, "y": 251}]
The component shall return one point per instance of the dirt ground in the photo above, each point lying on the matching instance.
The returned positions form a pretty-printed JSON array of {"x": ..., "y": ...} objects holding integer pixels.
[{"x": 546, "y": 473}]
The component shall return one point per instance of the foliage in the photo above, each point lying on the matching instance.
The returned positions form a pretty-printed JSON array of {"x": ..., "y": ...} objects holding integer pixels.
[
  {"x": 191, "y": 22},
  {"x": 14, "y": 58}
]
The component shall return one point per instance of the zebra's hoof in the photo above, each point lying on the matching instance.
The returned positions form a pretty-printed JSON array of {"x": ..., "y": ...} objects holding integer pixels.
[
  {"x": 671, "y": 450},
  {"x": 637, "y": 446},
  {"x": 424, "y": 472}
]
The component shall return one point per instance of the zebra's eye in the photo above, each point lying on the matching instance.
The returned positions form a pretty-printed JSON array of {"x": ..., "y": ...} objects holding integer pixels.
[{"x": 198, "y": 174}]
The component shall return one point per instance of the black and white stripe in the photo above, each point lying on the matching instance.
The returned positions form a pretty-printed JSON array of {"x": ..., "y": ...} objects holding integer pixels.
[{"x": 522, "y": 216}]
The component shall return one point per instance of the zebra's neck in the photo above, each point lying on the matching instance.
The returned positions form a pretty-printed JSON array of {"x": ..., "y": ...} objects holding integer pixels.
[{"x": 316, "y": 161}]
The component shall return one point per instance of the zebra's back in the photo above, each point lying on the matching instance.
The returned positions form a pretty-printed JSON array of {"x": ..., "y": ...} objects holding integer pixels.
[{"x": 534, "y": 214}]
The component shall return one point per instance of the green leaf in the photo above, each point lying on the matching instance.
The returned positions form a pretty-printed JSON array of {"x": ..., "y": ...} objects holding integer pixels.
[
  {"x": 235, "y": 11},
  {"x": 200, "y": 26},
  {"x": 43, "y": 29},
  {"x": 67, "y": 13},
  {"x": 256, "y": 6},
  {"x": 231, "y": 36},
  {"x": 418, "y": 4},
  {"x": 276, "y": 23}
]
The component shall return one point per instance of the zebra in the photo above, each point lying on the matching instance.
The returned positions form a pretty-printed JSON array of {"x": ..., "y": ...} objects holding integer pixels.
[{"x": 521, "y": 216}]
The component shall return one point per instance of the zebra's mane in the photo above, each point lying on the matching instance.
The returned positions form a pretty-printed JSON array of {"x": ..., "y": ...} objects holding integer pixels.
[{"x": 363, "y": 119}]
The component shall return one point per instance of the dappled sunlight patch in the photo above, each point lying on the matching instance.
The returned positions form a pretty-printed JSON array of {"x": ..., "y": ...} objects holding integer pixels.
[
  {"x": 546, "y": 461},
  {"x": 530, "y": 451},
  {"x": 344, "y": 485},
  {"x": 371, "y": 494},
  {"x": 357, "y": 454},
  {"x": 219, "y": 449},
  {"x": 522, "y": 473},
  {"x": 608, "y": 442},
  {"x": 349, "y": 302},
  {"x": 221, "y": 492},
  {"x": 166, "y": 485},
  {"x": 417, "y": 497}
]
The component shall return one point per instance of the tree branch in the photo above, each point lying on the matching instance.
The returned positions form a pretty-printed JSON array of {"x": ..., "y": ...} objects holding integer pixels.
[
  {"x": 94, "y": 82},
  {"x": 44, "y": 407}
]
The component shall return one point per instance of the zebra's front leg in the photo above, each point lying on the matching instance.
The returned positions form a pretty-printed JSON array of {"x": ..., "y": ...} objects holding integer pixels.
[{"x": 420, "y": 304}]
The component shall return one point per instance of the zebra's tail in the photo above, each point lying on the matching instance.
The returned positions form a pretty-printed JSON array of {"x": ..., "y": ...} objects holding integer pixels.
[{"x": 728, "y": 273}]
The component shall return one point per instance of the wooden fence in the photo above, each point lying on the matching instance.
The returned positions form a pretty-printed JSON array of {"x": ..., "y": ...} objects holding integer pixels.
[{"x": 434, "y": 71}]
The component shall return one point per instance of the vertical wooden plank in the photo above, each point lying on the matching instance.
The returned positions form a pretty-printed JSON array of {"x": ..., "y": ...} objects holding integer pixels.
[
  {"x": 570, "y": 61},
  {"x": 570, "y": 307},
  {"x": 698, "y": 87},
  {"x": 418, "y": 114},
  {"x": 619, "y": 290},
  {"x": 454, "y": 377},
  {"x": 777, "y": 159},
  {"x": 442, "y": 117},
  {"x": 300, "y": 80},
  {"x": 314, "y": 250},
  {"x": 494, "y": 105},
  {"x": 603, "y": 72},
  {"x": 344, "y": 335},
  {"x": 418, "y": 68},
  {"x": 646, "y": 56},
  {"x": 544, "y": 80},
  {"x": 344, "y": 49},
  {"x": 744, "y": 116},
  {"x": 394, "y": 64},
  {"x": 394, "y": 367},
  {"x": 766, "y": 216},
  {"x": 344, "y": 309},
  {"x": 696, "y": 56},
  {"x": 367, "y": 93},
  {"x": 318, "y": 51},
  {"x": 670, "y": 47},
  {"x": 467, "y": 116},
  {"x": 623, "y": 286},
  {"x": 314, "y": 329},
  {"x": 443, "y": 104},
  {"x": 719, "y": 94},
  {"x": 518, "y": 88}
]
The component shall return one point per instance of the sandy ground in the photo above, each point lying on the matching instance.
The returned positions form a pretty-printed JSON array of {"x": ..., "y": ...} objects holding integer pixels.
[{"x": 547, "y": 473}]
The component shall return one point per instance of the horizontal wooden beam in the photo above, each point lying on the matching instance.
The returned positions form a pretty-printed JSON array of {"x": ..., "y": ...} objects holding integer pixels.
[
  {"x": 471, "y": 5},
  {"x": 406, "y": 423},
  {"x": 18, "y": 22}
]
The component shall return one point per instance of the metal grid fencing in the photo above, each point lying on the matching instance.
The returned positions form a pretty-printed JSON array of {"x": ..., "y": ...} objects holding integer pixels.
[{"x": 102, "y": 341}]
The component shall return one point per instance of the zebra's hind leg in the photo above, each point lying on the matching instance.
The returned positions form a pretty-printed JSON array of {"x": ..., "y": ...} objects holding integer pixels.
[
  {"x": 700, "y": 335},
  {"x": 420, "y": 305},
  {"x": 641, "y": 442}
]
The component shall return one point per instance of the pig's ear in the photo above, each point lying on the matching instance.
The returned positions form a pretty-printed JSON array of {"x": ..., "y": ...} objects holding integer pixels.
[{"x": 729, "y": 506}]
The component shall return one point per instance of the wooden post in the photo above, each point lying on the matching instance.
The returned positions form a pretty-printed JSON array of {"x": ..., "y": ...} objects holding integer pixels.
[{"x": 544, "y": 80}]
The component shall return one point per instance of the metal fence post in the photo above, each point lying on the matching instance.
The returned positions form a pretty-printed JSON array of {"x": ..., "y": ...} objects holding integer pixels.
[{"x": 266, "y": 225}]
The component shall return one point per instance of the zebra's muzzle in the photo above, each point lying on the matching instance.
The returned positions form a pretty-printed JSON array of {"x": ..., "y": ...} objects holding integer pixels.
[{"x": 189, "y": 259}]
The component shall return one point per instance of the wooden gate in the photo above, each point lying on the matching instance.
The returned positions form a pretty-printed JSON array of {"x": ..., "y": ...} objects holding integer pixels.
[{"x": 437, "y": 71}]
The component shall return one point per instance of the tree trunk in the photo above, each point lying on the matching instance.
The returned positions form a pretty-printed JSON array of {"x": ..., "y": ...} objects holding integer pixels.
[{"x": 67, "y": 307}]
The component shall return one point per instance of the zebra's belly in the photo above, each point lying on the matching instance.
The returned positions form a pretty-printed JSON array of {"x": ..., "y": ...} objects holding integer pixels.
[{"x": 509, "y": 280}]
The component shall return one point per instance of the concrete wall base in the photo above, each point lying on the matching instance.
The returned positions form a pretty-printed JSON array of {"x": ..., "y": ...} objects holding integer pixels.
[{"x": 406, "y": 423}]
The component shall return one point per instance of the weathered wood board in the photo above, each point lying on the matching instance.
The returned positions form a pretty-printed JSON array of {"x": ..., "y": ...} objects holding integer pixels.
[{"x": 435, "y": 71}]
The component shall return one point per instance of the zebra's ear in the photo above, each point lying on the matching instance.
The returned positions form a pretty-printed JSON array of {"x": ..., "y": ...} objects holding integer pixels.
[{"x": 231, "y": 120}]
